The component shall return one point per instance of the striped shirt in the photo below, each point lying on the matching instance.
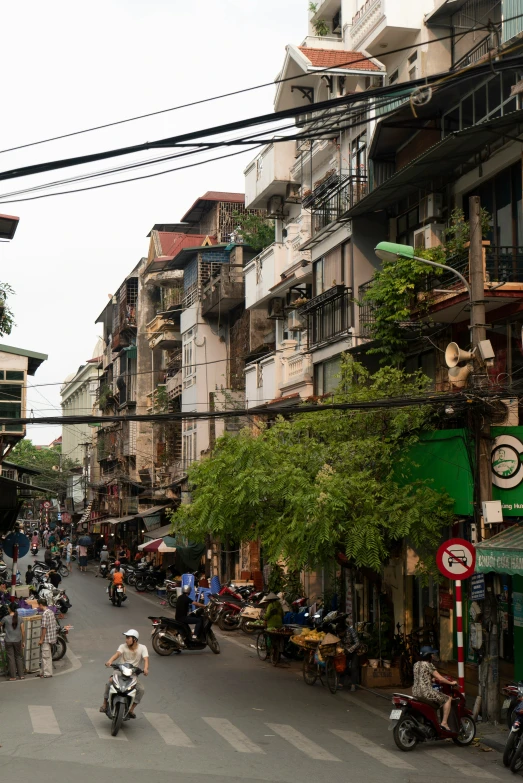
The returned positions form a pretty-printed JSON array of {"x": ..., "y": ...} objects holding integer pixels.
[{"x": 49, "y": 623}]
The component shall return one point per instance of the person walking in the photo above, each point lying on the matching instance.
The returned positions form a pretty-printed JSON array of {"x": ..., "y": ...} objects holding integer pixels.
[
  {"x": 47, "y": 638},
  {"x": 68, "y": 555},
  {"x": 14, "y": 643},
  {"x": 82, "y": 557}
]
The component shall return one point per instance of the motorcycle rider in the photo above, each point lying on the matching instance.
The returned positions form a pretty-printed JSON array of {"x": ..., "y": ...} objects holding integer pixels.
[
  {"x": 104, "y": 555},
  {"x": 183, "y": 608},
  {"x": 116, "y": 577},
  {"x": 136, "y": 655},
  {"x": 424, "y": 674}
]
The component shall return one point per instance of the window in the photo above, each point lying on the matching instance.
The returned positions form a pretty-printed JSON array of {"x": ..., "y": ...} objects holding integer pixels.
[
  {"x": 394, "y": 77},
  {"x": 11, "y": 398},
  {"x": 189, "y": 440},
  {"x": 189, "y": 368},
  {"x": 413, "y": 57},
  {"x": 413, "y": 74},
  {"x": 327, "y": 376}
]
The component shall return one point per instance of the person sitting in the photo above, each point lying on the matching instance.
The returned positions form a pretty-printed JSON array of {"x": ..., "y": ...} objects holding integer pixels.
[
  {"x": 54, "y": 577},
  {"x": 424, "y": 674},
  {"x": 104, "y": 554},
  {"x": 29, "y": 575},
  {"x": 183, "y": 609},
  {"x": 116, "y": 578}
]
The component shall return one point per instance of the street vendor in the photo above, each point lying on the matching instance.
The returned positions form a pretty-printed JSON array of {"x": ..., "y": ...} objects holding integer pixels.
[{"x": 274, "y": 611}]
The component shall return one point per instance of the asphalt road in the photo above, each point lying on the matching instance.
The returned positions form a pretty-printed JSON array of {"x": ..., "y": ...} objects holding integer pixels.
[{"x": 225, "y": 717}]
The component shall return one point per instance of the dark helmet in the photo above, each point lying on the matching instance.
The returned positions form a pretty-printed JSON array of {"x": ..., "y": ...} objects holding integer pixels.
[{"x": 426, "y": 652}]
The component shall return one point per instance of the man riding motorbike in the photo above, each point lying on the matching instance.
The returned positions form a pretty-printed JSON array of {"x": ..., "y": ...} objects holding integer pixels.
[
  {"x": 183, "y": 608},
  {"x": 424, "y": 674},
  {"x": 116, "y": 576},
  {"x": 134, "y": 654}
]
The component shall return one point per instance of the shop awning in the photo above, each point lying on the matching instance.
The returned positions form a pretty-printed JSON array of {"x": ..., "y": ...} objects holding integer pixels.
[
  {"x": 502, "y": 554},
  {"x": 119, "y": 520},
  {"x": 152, "y": 518},
  {"x": 160, "y": 532}
]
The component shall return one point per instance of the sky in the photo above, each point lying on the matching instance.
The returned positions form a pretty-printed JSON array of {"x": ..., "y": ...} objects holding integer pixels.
[{"x": 68, "y": 66}]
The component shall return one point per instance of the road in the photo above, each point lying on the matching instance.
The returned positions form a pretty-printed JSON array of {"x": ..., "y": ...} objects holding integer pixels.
[{"x": 225, "y": 718}]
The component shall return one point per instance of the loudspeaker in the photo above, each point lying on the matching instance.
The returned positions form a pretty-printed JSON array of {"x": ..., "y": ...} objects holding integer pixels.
[
  {"x": 454, "y": 355},
  {"x": 458, "y": 375}
]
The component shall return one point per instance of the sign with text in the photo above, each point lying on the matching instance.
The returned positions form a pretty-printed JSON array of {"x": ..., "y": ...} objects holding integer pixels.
[{"x": 477, "y": 587}]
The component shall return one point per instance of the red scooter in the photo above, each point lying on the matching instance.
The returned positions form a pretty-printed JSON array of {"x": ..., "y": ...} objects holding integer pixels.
[{"x": 415, "y": 720}]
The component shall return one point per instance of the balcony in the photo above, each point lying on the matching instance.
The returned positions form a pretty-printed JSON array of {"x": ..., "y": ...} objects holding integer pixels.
[
  {"x": 329, "y": 204},
  {"x": 330, "y": 12},
  {"x": 329, "y": 316},
  {"x": 297, "y": 372},
  {"x": 261, "y": 381},
  {"x": 383, "y": 22},
  {"x": 127, "y": 390},
  {"x": 263, "y": 272},
  {"x": 224, "y": 291},
  {"x": 174, "y": 385},
  {"x": 269, "y": 174},
  {"x": 366, "y": 311},
  {"x": 163, "y": 333}
]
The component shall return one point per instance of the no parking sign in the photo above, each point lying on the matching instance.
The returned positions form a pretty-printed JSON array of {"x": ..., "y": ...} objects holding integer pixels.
[{"x": 456, "y": 559}]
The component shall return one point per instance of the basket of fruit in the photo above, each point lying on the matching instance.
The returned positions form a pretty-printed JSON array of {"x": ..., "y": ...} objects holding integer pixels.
[{"x": 308, "y": 639}]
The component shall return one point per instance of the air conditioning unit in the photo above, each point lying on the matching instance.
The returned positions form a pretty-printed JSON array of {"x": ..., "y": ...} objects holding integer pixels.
[
  {"x": 293, "y": 193},
  {"x": 275, "y": 308},
  {"x": 275, "y": 207},
  {"x": 429, "y": 236},
  {"x": 431, "y": 206},
  {"x": 295, "y": 322}
]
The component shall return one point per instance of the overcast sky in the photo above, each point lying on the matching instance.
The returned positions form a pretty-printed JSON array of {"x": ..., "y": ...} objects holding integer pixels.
[{"x": 67, "y": 66}]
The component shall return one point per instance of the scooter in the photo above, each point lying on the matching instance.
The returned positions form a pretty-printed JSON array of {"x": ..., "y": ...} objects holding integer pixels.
[
  {"x": 414, "y": 721},
  {"x": 170, "y": 635},
  {"x": 104, "y": 570},
  {"x": 117, "y": 595},
  {"x": 34, "y": 550},
  {"x": 122, "y": 693},
  {"x": 513, "y": 693},
  {"x": 513, "y": 752}
]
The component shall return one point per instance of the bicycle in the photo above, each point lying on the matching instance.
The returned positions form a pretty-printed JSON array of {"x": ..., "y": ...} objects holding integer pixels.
[
  {"x": 271, "y": 644},
  {"x": 314, "y": 668}
]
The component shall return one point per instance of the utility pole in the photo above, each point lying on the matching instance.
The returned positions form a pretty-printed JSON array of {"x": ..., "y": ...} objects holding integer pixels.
[
  {"x": 489, "y": 667},
  {"x": 86, "y": 446}
]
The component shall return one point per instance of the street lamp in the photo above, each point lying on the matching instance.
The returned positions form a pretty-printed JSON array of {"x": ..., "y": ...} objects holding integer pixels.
[{"x": 390, "y": 251}]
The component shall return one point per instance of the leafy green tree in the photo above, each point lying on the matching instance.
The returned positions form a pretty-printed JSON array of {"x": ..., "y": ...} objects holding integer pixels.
[
  {"x": 256, "y": 230},
  {"x": 323, "y": 482},
  {"x": 54, "y": 468},
  {"x": 6, "y": 314}
]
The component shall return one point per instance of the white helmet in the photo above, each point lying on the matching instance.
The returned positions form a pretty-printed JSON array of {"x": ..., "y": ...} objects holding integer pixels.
[
  {"x": 132, "y": 632},
  {"x": 104, "y": 546}
]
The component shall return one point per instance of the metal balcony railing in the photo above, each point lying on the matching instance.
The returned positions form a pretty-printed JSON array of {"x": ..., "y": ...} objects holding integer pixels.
[
  {"x": 328, "y": 317},
  {"x": 367, "y": 311},
  {"x": 331, "y": 206},
  {"x": 504, "y": 264},
  {"x": 476, "y": 53}
]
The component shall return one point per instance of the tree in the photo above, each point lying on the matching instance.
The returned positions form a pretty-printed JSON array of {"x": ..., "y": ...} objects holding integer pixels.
[
  {"x": 54, "y": 468},
  {"x": 6, "y": 314},
  {"x": 323, "y": 482},
  {"x": 255, "y": 230}
]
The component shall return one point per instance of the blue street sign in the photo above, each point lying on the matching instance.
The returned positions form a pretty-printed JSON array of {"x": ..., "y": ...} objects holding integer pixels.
[
  {"x": 477, "y": 587},
  {"x": 16, "y": 538}
]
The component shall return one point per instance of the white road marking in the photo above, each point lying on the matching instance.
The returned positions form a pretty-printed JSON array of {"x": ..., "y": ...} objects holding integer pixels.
[
  {"x": 358, "y": 703},
  {"x": 300, "y": 741},
  {"x": 43, "y": 720},
  {"x": 234, "y": 736},
  {"x": 378, "y": 753},
  {"x": 102, "y": 725},
  {"x": 168, "y": 730},
  {"x": 459, "y": 765}
]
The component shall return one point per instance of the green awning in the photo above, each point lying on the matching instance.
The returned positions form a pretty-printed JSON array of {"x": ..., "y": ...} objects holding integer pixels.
[
  {"x": 502, "y": 554},
  {"x": 131, "y": 351}
]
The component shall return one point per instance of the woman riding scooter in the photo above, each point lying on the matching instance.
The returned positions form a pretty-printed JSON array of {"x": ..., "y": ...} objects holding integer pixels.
[
  {"x": 116, "y": 576},
  {"x": 424, "y": 674}
]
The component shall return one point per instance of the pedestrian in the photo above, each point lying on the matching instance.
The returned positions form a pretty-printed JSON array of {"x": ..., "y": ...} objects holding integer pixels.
[
  {"x": 47, "y": 638},
  {"x": 274, "y": 612},
  {"x": 68, "y": 555},
  {"x": 54, "y": 577},
  {"x": 82, "y": 558},
  {"x": 352, "y": 668},
  {"x": 4, "y": 595},
  {"x": 14, "y": 643},
  {"x": 29, "y": 575}
]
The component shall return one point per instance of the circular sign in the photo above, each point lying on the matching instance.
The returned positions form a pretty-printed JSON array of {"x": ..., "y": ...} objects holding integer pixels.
[
  {"x": 16, "y": 538},
  {"x": 507, "y": 468},
  {"x": 46, "y": 504},
  {"x": 456, "y": 558}
]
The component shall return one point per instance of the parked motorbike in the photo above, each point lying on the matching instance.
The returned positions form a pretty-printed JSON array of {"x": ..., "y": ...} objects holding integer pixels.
[
  {"x": 149, "y": 580},
  {"x": 170, "y": 635},
  {"x": 513, "y": 751},
  {"x": 41, "y": 567},
  {"x": 122, "y": 693},
  {"x": 53, "y": 595},
  {"x": 59, "y": 648},
  {"x": 414, "y": 721},
  {"x": 513, "y": 693}
]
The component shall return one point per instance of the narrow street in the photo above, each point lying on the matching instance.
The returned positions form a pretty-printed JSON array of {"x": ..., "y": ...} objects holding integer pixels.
[{"x": 229, "y": 717}]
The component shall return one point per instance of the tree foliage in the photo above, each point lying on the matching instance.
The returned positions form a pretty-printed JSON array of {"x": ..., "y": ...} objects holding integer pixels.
[
  {"x": 393, "y": 293},
  {"x": 6, "y": 314},
  {"x": 256, "y": 230},
  {"x": 54, "y": 468},
  {"x": 323, "y": 482}
]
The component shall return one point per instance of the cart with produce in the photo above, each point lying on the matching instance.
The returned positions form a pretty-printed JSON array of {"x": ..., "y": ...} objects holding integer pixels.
[
  {"x": 319, "y": 663},
  {"x": 270, "y": 643}
]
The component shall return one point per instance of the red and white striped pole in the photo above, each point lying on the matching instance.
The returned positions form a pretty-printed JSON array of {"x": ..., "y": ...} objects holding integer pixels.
[
  {"x": 15, "y": 569},
  {"x": 459, "y": 629}
]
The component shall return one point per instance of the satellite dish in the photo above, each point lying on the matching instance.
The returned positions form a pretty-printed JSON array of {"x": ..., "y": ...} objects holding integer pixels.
[{"x": 454, "y": 355}]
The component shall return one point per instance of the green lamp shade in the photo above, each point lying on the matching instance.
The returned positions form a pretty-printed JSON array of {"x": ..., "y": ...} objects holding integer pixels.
[{"x": 389, "y": 251}]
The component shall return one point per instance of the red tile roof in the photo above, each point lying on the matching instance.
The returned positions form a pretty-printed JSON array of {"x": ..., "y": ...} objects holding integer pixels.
[
  {"x": 195, "y": 212},
  {"x": 171, "y": 243},
  {"x": 335, "y": 58}
]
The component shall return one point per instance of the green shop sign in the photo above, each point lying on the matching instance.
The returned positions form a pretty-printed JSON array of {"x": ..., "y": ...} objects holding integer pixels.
[{"x": 507, "y": 469}]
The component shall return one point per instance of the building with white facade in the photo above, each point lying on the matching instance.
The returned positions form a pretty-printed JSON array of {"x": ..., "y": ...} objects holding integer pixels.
[{"x": 78, "y": 395}]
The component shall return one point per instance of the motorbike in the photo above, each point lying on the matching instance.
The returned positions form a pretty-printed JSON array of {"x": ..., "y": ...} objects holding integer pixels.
[
  {"x": 41, "y": 567},
  {"x": 149, "y": 580},
  {"x": 513, "y": 693},
  {"x": 59, "y": 648},
  {"x": 250, "y": 619},
  {"x": 34, "y": 550},
  {"x": 122, "y": 692},
  {"x": 170, "y": 635},
  {"x": 104, "y": 570},
  {"x": 117, "y": 595},
  {"x": 413, "y": 720},
  {"x": 53, "y": 595}
]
